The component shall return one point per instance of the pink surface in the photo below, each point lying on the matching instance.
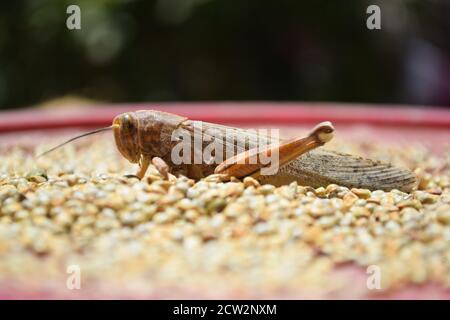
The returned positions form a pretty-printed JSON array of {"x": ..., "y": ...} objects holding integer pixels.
[
  {"x": 429, "y": 126},
  {"x": 238, "y": 113}
]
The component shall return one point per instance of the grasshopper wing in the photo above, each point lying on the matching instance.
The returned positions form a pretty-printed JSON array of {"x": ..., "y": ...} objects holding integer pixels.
[{"x": 322, "y": 166}]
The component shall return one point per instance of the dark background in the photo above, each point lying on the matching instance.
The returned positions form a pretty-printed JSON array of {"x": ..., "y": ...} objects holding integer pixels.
[{"x": 193, "y": 50}]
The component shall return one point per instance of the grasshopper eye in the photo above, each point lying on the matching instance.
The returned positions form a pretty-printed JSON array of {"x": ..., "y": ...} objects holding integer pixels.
[{"x": 127, "y": 123}]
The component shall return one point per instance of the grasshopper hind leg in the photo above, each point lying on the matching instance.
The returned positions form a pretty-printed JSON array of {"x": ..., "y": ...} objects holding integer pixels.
[{"x": 240, "y": 166}]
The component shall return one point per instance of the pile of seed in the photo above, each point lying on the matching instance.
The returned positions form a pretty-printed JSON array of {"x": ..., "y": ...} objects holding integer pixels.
[{"x": 76, "y": 207}]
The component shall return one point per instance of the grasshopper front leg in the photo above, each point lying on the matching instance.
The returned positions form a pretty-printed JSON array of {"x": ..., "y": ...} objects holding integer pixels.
[
  {"x": 143, "y": 166},
  {"x": 240, "y": 165}
]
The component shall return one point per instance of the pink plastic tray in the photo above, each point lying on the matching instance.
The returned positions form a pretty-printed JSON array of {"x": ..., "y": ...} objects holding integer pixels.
[{"x": 430, "y": 126}]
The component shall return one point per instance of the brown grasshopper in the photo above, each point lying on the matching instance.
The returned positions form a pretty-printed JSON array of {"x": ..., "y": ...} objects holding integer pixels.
[{"x": 146, "y": 137}]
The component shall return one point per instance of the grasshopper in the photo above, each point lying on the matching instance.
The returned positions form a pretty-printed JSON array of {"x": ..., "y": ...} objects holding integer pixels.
[{"x": 146, "y": 136}]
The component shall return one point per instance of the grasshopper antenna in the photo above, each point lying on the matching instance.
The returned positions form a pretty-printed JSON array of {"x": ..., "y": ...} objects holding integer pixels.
[{"x": 74, "y": 138}]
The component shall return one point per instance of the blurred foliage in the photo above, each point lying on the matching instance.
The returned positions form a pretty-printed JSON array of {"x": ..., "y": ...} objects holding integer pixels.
[{"x": 129, "y": 51}]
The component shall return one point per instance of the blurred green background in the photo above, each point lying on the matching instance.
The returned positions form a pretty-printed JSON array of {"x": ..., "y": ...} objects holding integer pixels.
[{"x": 194, "y": 50}]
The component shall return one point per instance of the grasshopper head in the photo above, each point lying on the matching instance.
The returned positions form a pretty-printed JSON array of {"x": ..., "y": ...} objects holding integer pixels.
[{"x": 125, "y": 127}]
